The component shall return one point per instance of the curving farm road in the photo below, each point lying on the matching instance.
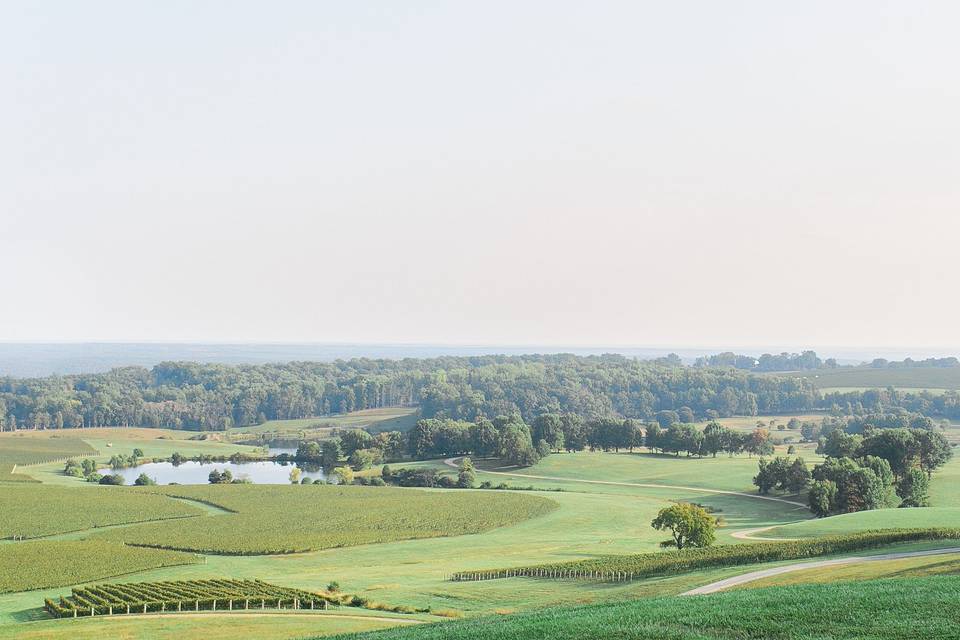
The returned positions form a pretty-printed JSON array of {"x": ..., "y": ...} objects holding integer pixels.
[{"x": 720, "y": 585}]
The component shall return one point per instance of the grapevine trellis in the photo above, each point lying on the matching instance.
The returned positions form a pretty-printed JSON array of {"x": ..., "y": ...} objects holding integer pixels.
[{"x": 183, "y": 596}]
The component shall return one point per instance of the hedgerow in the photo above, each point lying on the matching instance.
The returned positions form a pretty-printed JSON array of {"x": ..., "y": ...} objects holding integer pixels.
[{"x": 645, "y": 565}]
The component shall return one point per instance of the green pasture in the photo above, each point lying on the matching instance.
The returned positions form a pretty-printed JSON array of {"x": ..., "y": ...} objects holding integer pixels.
[{"x": 723, "y": 472}]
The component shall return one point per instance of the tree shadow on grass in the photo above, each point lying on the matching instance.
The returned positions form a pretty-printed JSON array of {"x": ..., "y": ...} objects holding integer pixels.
[{"x": 31, "y": 615}]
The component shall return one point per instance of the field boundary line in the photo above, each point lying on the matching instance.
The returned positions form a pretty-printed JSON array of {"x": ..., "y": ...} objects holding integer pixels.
[{"x": 451, "y": 462}]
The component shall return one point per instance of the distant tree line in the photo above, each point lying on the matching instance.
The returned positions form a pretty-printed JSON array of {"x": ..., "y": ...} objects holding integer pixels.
[
  {"x": 767, "y": 362},
  {"x": 214, "y": 396}
]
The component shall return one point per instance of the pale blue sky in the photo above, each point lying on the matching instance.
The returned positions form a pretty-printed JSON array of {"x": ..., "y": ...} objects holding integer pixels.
[{"x": 636, "y": 173}]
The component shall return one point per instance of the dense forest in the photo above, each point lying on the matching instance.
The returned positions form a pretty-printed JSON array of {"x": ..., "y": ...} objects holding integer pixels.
[{"x": 212, "y": 396}]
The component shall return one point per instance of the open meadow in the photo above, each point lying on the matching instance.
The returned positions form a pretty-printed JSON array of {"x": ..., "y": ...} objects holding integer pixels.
[{"x": 397, "y": 546}]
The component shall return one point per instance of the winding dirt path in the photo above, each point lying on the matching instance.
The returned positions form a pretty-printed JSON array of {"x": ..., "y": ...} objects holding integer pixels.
[
  {"x": 752, "y": 576},
  {"x": 452, "y": 462}
]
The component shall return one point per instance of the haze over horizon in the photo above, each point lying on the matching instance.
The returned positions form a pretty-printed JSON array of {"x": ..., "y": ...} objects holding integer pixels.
[{"x": 503, "y": 174}]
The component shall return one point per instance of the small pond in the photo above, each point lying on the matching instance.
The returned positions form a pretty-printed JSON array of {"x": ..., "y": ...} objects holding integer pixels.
[{"x": 262, "y": 472}]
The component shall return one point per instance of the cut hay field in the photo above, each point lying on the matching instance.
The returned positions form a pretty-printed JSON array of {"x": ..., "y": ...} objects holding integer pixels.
[
  {"x": 914, "y": 378},
  {"x": 35, "y": 510},
  {"x": 39, "y": 564},
  {"x": 271, "y": 519}
]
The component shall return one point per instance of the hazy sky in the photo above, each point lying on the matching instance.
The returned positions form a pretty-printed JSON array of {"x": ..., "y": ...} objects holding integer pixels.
[{"x": 635, "y": 173}]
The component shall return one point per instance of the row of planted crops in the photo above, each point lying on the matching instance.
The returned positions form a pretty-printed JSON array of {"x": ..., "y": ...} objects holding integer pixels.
[{"x": 185, "y": 595}]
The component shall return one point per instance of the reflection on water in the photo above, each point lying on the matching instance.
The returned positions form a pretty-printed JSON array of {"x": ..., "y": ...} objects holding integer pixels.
[{"x": 262, "y": 472}]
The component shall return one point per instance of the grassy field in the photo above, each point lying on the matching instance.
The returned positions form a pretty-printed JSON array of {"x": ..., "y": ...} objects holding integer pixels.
[
  {"x": 35, "y": 510},
  {"x": 592, "y": 519},
  {"x": 878, "y": 610},
  {"x": 862, "y": 377},
  {"x": 869, "y": 521},
  {"x": 289, "y": 519},
  {"x": 39, "y": 564},
  {"x": 721, "y": 473}
]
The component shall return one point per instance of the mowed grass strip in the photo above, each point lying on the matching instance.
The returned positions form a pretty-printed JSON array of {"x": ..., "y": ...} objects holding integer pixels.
[
  {"x": 873, "y": 610},
  {"x": 39, "y": 564},
  {"x": 273, "y": 519},
  {"x": 35, "y": 510},
  {"x": 23, "y": 450}
]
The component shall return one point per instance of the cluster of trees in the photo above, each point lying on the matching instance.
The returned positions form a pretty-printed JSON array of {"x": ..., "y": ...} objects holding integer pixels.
[
  {"x": 86, "y": 469},
  {"x": 515, "y": 442},
  {"x": 506, "y": 437},
  {"x": 783, "y": 475},
  {"x": 767, "y": 362},
  {"x": 713, "y": 439},
  {"x": 889, "y": 467}
]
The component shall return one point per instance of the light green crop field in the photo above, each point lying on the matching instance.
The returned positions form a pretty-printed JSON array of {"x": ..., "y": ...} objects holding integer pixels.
[
  {"x": 914, "y": 378},
  {"x": 878, "y": 610},
  {"x": 289, "y": 519},
  {"x": 869, "y": 521},
  {"x": 35, "y": 510},
  {"x": 21, "y": 449},
  {"x": 39, "y": 564},
  {"x": 918, "y": 567},
  {"x": 375, "y": 420}
]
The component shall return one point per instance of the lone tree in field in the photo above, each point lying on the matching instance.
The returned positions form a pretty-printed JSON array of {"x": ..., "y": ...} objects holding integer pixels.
[
  {"x": 689, "y": 526},
  {"x": 467, "y": 476}
]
